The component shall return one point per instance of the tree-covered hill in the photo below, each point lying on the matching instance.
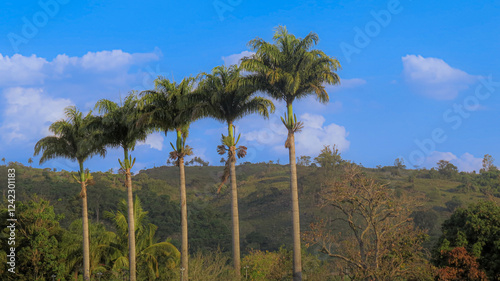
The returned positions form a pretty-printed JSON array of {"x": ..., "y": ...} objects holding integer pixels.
[{"x": 263, "y": 198}]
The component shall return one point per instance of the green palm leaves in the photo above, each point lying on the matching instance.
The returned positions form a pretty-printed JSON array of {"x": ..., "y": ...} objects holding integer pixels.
[
  {"x": 152, "y": 256},
  {"x": 288, "y": 69},
  {"x": 121, "y": 122},
  {"x": 169, "y": 107},
  {"x": 74, "y": 138}
]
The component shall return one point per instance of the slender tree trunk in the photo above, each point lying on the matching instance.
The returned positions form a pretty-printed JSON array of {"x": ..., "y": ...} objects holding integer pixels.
[
  {"x": 235, "y": 218},
  {"x": 184, "y": 225},
  {"x": 85, "y": 226},
  {"x": 131, "y": 227},
  {"x": 297, "y": 262},
  {"x": 131, "y": 219},
  {"x": 234, "y": 202}
]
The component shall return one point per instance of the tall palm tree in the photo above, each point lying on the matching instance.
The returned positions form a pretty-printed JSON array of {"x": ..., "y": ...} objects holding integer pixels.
[
  {"x": 221, "y": 96},
  {"x": 288, "y": 70},
  {"x": 151, "y": 254},
  {"x": 75, "y": 138},
  {"x": 166, "y": 108},
  {"x": 123, "y": 129}
]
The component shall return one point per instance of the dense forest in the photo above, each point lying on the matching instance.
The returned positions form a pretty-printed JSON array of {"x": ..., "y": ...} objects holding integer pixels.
[{"x": 51, "y": 208}]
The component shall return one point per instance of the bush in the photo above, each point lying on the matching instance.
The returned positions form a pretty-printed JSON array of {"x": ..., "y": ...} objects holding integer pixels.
[
  {"x": 210, "y": 266},
  {"x": 264, "y": 266}
]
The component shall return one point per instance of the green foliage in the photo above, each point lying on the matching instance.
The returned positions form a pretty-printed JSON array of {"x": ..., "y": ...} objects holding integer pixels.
[
  {"x": 222, "y": 96},
  {"x": 399, "y": 163},
  {"x": 210, "y": 265},
  {"x": 101, "y": 250},
  {"x": 488, "y": 165},
  {"x": 268, "y": 265},
  {"x": 208, "y": 228},
  {"x": 454, "y": 203},
  {"x": 77, "y": 138},
  {"x": 477, "y": 229},
  {"x": 425, "y": 219},
  {"x": 264, "y": 265},
  {"x": 446, "y": 169},
  {"x": 289, "y": 69},
  {"x": 39, "y": 254},
  {"x": 304, "y": 160},
  {"x": 329, "y": 158},
  {"x": 169, "y": 107},
  {"x": 153, "y": 257},
  {"x": 264, "y": 200},
  {"x": 199, "y": 161},
  {"x": 121, "y": 125}
]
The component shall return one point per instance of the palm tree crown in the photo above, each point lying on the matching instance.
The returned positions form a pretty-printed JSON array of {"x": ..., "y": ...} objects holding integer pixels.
[
  {"x": 167, "y": 106},
  {"x": 288, "y": 69},
  {"x": 221, "y": 96},
  {"x": 73, "y": 138},
  {"x": 121, "y": 122}
]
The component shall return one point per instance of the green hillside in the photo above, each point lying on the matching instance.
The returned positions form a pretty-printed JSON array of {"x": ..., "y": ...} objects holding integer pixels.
[{"x": 263, "y": 199}]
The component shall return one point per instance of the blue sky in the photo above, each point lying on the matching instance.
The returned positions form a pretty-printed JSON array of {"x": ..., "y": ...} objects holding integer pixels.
[{"x": 420, "y": 79}]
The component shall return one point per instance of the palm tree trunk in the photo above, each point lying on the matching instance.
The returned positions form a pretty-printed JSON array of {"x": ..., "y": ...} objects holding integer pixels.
[
  {"x": 235, "y": 217},
  {"x": 131, "y": 226},
  {"x": 85, "y": 226},
  {"x": 297, "y": 262},
  {"x": 131, "y": 218},
  {"x": 184, "y": 226}
]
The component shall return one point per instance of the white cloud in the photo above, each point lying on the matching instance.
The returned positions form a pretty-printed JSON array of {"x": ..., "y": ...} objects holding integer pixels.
[
  {"x": 351, "y": 83},
  {"x": 154, "y": 140},
  {"x": 113, "y": 60},
  {"x": 466, "y": 162},
  {"x": 20, "y": 70},
  {"x": 434, "y": 78},
  {"x": 313, "y": 137},
  {"x": 316, "y": 135},
  {"x": 29, "y": 113},
  {"x": 235, "y": 59}
]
